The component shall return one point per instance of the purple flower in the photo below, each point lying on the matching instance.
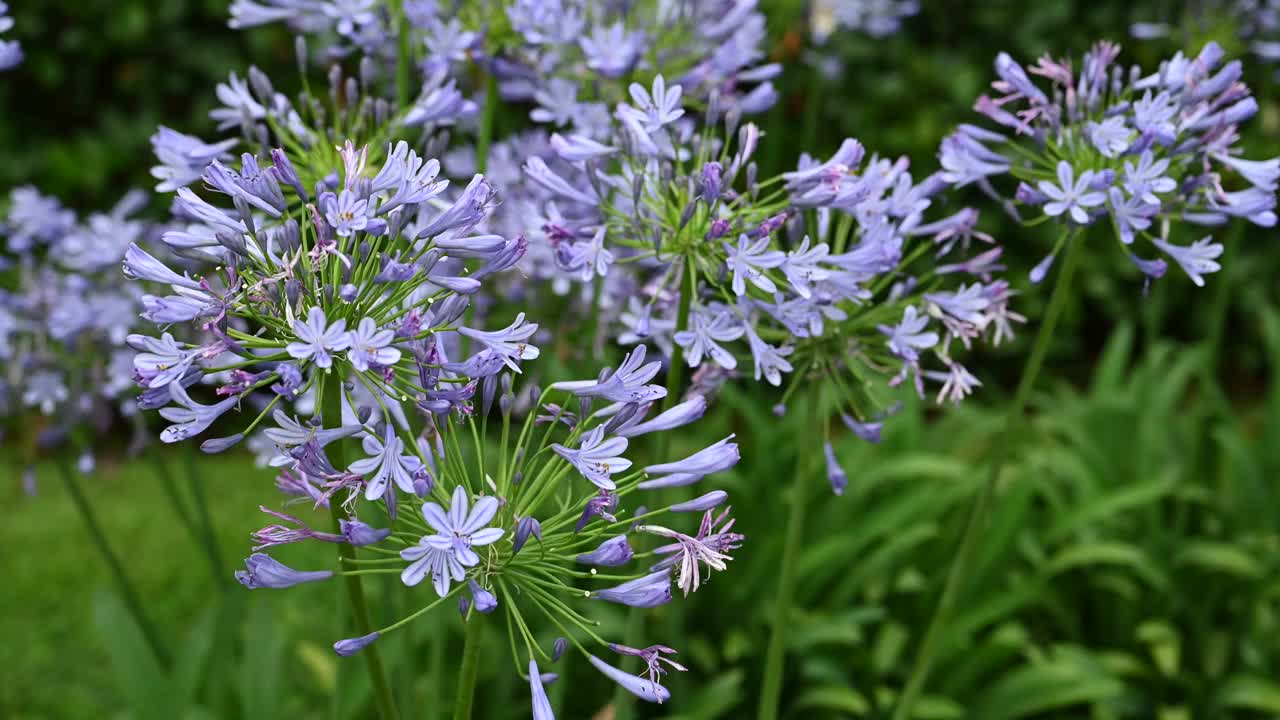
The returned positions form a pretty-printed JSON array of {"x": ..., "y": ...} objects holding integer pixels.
[
  {"x": 769, "y": 361},
  {"x": 482, "y": 600},
  {"x": 689, "y": 554},
  {"x": 557, "y": 102},
  {"x": 357, "y": 533},
  {"x": 705, "y": 333},
  {"x": 443, "y": 565},
  {"x": 1071, "y": 195},
  {"x": 458, "y": 530},
  {"x": 835, "y": 474},
  {"x": 612, "y": 51},
  {"x": 541, "y": 705},
  {"x": 649, "y": 591},
  {"x": 709, "y": 501},
  {"x": 1147, "y": 178},
  {"x": 906, "y": 338},
  {"x": 657, "y": 109},
  {"x": 139, "y": 265},
  {"x": 653, "y": 659},
  {"x": 1111, "y": 136},
  {"x": 596, "y": 458},
  {"x": 678, "y": 416},
  {"x": 525, "y": 527},
  {"x": 263, "y": 571},
  {"x": 190, "y": 418},
  {"x": 613, "y": 552},
  {"x": 713, "y": 459},
  {"x": 371, "y": 346},
  {"x": 351, "y": 646},
  {"x": 579, "y": 148},
  {"x": 387, "y": 462},
  {"x": 317, "y": 338},
  {"x": 346, "y": 212},
  {"x": 749, "y": 259},
  {"x": 626, "y": 385},
  {"x": 1195, "y": 260},
  {"x": 45, "y": 389},
  {"x": 183, "y": 158},
  {"x": 509, "y": 342},
  {"x": 646, "y": 690},
  {"x": 602, "y": 504}
]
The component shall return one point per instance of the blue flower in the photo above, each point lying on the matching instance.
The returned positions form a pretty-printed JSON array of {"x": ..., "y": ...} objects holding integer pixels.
[
  {"x": 387, "y": 462},
  {"x": 749, "y": 259},
  {"x": 596, "y": 458},
  {"x": 1071, "y": 195},
  {"x": 459, "y": 530},
  {"x": 909, "y": 336},
  {"x": 317, "y": 339},
  {"x": 1196, "y": 260},
  {"x": 371, "y": 346},
  {"x": 647, "y": 690},
  {"x": 263, "y": 571}
]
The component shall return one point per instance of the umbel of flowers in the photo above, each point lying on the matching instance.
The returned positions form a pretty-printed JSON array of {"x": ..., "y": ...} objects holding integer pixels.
[
  {"x": 1140, "y": 152},
  {"x": 830, "y": 271},
  {"x": 64, "y": 321},
  {"x": 535, "y": 522}
]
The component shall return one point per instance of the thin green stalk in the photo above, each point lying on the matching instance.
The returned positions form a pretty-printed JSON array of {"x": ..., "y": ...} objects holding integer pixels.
[
  {"x": 404, "y": 59},
  {"x": 123, "y": 584},
  {"x": 771, "y": 688},
  {"x": 204, "y": 518},
  {"x": 1003, "y": 447},
  {"x": 332, "y": 412},
  {"x": 484, "y": 134},
  {"x": 623, "y": 701},
  {"x": 467, "y": 674}
]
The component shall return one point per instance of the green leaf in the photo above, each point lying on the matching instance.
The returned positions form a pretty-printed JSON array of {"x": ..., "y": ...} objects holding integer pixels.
[
  {"x": 713, "y": 699},
  {"x": 1086, "y": 555},
  {"x": 1115, "y": 502},
  {"x": 189, "y": 668},
  {"x": 832, "y": 698},
  {"x": 1250, "y": 692},
  {"x": 1220, "y": 557},
  {"x": 137, "y": 673},
  {"x": 1055, "y": 684}
]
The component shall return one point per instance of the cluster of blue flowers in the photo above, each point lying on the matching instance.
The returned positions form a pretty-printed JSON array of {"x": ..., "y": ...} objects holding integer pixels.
[
  {"x": 10, "y": 50},
  {"x": 1144, "y": 151},
  {"x": 69, "y": 366},
  {"x": 821, "y": 272},
  {"x": 325, "y": 297}
]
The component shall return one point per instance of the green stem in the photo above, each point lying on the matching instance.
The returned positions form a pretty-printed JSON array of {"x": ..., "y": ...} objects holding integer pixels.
[
  {"x": 675, "y": 376},
  {"x": 484, "y": 134},
  {"x": 465, "y": 699},
  {"x": 202, "y": 515},
  {"x": 332, "y": 414},
  {"x": 771, "y": 688},
  {"x": 623, "y": 701},
  {"x": 404, "y": 59},
  {"x": 123, "y": 584},
  {"x": 968, "y": 541}
]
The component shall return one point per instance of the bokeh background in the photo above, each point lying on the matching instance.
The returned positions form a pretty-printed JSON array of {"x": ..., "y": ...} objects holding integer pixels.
[{"x": 1131, "y": 568}]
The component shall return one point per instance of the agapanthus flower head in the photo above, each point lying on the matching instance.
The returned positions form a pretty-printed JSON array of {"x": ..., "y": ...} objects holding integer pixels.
[
  {"x": 67, "y": 314},
  {"x": 467, "y": 532},
  {"x": 825, "y": 271},
  {"x": 1143, "y": 151}
]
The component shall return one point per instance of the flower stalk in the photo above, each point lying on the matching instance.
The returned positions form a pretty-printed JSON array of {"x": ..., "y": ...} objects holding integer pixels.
[
  {"x": 332, "y": 408},
  {"x": 977, "y": 515},
  {"x": 123, "y": 584},
  {"x": 465, "y": 699},
  {"x": 771, "y": 688}
]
